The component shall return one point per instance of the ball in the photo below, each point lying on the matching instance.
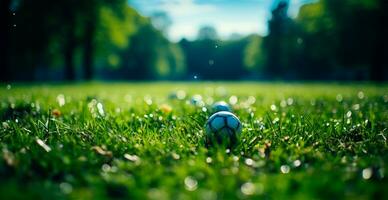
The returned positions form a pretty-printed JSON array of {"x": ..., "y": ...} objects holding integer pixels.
[
  {"x": 221, "y": 106},
  {"x": 222, "y": 128}
]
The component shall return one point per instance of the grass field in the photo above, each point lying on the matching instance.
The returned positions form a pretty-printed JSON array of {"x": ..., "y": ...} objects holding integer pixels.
[{"x": 146, "y": 141}]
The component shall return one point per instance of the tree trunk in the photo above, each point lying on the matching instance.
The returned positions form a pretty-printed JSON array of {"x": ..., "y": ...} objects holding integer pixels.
[
  {"x": 5, "y": 22},
  {"x": 69, "y": 59},
  {"x": 381, "y": 52},
  {"x": 69, "y": 50},
  {"x": 88, "y": 49},
  {"x": 70, "y": 44}
]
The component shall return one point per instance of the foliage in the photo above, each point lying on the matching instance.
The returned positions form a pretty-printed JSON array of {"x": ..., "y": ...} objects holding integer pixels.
[
  {"x": 84, "y": 37},
  {"x": 207, "y": 33},
  {"x": 343, "y": 39},
  {"x": 210, "y": 59},
  {"x": 105, "y": 141},
  {"x": 254, "y": 57}
]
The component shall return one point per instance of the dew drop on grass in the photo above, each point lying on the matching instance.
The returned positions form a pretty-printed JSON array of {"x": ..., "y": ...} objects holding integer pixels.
[
  {"x": 180, "y": 94},
  {"x": 8, "y": 87},
  {"x": 367, "y": 173},
  {"x": 233, "y": 100},
  {"x": 248, "y": 188},
  {"x": 209, "y": 160},
  {"x": 273, "y": 107},
  {"x": 61, "y": 100},
  {"x": 285, "y": 169},
  {"x": 349, "y": 114},
  {"x": 356, "y": 106},
  {"x": 204, "y": 109},
  {"x": 297, "y": 163},
  {"x": 275, "y": 120},
  {"x": 344, "y": 160},
  {"x": 360, "y": 95},
  {"x": 235, "y": 158},
  {"x": 290, "y": 101},
  {"x": 5, "y": 125},
  {"x": 100, "y": 109},
  {"x": 148, "y": 100},
  {"x": 176, "y": 156},
  {"x": 190, "y": 183},
  {"x": 105, "y": 167},
  {"x": 251, "y": 100},
  {"x": 249, "y": 162}
]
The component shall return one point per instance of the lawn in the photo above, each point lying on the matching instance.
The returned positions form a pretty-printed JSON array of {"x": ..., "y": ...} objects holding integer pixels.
[{"x": 146, "y": 141}]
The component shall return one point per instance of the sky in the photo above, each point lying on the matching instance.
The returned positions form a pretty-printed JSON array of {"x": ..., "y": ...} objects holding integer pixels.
[{"x": 229, "y": 17}]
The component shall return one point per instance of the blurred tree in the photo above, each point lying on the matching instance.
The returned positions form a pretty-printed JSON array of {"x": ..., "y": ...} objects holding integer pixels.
[
  {"x": 48, "y": 24},
  {"x": 209, "y": 58},
  {"x": 360, "y": 27},
  {"x": 151, "y": 55},
  {"x": 317, "y": 42},
  {"x": 207, "y": 33},
  {"x": 5, "y": 23},
  {"x": 113, "y": 36},
  {"x": 280, "y": 42},
  {"x": 254, "y": 56},
  {"x": 32, "y": 33},
  {"x": 228, "y": 62},
  {"x": 348, "y": 35},
  {"x": 139, "y": 52},
  {"x": 90, "y": 11},
  {"x": 64, "y": 27},
  {"x": 380, "y": 60},
  {"x": 68, "y": 19},
  {"x": 161, "y": 21}
]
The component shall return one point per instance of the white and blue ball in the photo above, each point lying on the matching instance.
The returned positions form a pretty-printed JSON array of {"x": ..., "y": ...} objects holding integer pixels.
[
  {"x": 223, "y": 128},
  {"x": 221, "y": 106}
]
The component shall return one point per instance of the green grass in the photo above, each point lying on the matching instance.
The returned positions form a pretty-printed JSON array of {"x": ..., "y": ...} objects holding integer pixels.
[{"x": 313, "y": 141}]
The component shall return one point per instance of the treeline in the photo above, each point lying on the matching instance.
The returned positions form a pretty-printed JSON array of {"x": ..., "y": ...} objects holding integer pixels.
[
  {"x": 83, "y": 39},
  {"x": 108, "y": 39},
  {"x": 329, "y": 39}
]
